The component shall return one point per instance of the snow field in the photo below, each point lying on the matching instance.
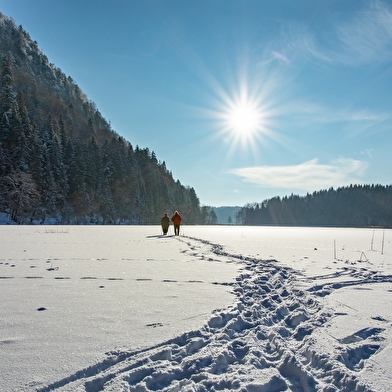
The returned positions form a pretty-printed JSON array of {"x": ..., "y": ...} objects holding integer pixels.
[
  {"x": 312, "y": 312},
  {"x": 70, "y": 294}
]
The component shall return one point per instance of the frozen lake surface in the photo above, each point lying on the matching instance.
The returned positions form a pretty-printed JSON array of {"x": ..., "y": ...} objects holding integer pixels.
[{"x": 247, "y": 308}]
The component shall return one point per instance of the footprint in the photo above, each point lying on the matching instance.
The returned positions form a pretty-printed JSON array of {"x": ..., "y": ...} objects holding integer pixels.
[
  {"x": 362, "y": 334},
  {"x": 379, "y": 318},
  {"x": 154, "y": 325},
  {"x": 353, "y": 357},
  {"x": 52, "y": 269}
]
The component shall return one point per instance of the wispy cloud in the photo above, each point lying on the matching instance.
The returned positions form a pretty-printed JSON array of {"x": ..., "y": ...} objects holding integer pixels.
[
  {"x": 307, "y": 176},
  {"x": 368, "y": 152},
  {"x": 363, "y": 39},
  {"x": 368, "y": 37},
  {"x": 309, "y": 112}
]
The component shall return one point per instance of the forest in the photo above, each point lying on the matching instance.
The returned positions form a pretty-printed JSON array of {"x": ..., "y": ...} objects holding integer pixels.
[
  {"x": 352, "y": 206},
  {"x": 61, "y": 162}
]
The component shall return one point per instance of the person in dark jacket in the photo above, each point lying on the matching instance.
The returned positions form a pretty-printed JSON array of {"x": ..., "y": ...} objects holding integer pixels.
[
  {"x": 165, "y": 223},
  {"x": 176, "y": 219}
]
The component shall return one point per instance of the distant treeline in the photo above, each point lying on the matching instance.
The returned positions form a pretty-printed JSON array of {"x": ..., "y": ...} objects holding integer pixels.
[
  {"x": 60, "y": 159},
  {"x": 353, "y": 206}
]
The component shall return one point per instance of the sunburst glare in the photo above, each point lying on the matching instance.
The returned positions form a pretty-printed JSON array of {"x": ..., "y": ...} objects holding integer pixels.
[
  {"x": 242, "y": 108},
  {"x": 244, "y": 120}
]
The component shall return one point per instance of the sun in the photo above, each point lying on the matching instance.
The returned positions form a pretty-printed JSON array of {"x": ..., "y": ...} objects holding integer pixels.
[
  {"x": 242, "y": 116},
  {"x": 244, "y": 119}
]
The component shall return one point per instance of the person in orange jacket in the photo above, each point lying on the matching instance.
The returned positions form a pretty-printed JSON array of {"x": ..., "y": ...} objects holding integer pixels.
[{"x": 176, "y": 219}]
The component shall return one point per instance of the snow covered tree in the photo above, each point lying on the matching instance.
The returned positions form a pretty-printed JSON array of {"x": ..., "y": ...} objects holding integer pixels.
[{"x": 20, "y": 194}]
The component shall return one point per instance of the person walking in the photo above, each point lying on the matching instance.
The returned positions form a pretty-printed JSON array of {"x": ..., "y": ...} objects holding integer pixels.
[
  {"x": 176, "y": 219},
  {"x": 165, "y": 223}
]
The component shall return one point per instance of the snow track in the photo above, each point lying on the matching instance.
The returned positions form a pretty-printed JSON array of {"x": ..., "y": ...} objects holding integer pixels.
[{"x": 264, "y": 342}]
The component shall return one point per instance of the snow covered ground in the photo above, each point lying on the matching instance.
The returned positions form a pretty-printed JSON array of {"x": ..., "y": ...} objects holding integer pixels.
[{"x": 217, "y": 308}]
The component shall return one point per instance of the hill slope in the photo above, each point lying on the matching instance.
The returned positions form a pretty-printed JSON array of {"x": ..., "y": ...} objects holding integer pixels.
[{"x": 59, "y": 157}]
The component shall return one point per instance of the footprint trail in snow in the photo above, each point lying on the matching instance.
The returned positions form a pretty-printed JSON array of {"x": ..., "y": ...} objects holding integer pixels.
[{"x": 261, "y": 343}]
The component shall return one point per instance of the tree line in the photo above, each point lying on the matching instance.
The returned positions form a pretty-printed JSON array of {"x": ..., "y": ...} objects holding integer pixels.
[
  {"x": 60, "y": 159},
  {"x": 352, "y": 206}
]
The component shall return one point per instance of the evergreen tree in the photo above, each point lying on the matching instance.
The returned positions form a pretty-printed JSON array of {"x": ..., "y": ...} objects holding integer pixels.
[{"x": 9, "y": 120}]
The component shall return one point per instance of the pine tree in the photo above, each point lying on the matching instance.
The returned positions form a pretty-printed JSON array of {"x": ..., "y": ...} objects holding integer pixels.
[{"x": 9, "y": 120}]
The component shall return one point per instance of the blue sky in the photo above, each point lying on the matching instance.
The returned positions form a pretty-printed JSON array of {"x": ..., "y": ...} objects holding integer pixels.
[{"x": 243, "y": 100}]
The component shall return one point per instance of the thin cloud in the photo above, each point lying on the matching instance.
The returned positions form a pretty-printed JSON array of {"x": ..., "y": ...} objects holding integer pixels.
[
  {"x": 306, "y": 176},
  {"x": 310, "y": 112},
  {"x": 368, "y": 152},
  {"x": 367, "y": 38},
  {"x": 364, "y": 39}
]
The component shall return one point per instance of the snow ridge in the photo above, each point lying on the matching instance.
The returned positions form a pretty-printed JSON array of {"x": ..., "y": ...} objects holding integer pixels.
[{"x": 261, "y": 343}]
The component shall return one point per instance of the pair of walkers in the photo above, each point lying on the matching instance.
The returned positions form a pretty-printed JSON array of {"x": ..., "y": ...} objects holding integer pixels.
[{"x": 176, "y": 219}]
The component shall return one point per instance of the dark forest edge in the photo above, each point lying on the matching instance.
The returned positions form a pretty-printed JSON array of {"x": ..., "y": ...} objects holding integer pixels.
[
  {"x": 60, "y": 162},
  {"x": 352, "y": 206}
]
